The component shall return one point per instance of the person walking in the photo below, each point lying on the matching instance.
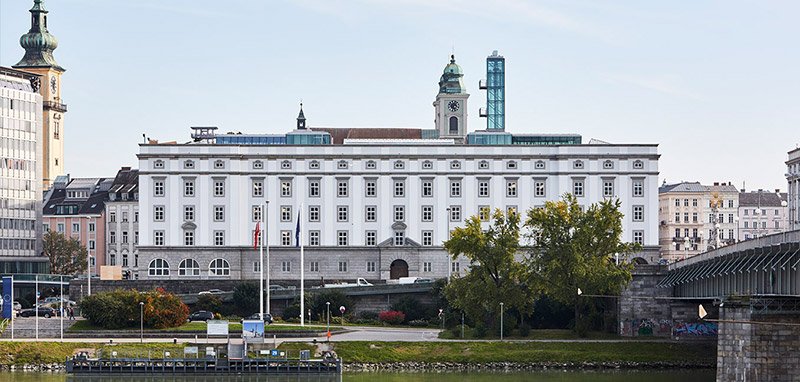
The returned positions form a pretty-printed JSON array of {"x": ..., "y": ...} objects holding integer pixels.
[{"x": 71, "y": 313}]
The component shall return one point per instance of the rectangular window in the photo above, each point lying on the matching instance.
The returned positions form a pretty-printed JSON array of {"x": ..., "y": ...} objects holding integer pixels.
[
  {"x": 313, "y": 238},
  {"x": 427, "y": 213},
  {"x": 136, "y": 237},
  {"x": 286, "y": 238},
  {"x": 777, "y": 224},
  {"x": 188, "y": 187},
  {"x": 313, "y": 213},
  {"x": 694, "y": 202},
  {"x": 112, "y": 217},
  {"x": 219, "y": 238},
  {"x": 730, "y": 218},
  {"x": 124, "y": 217},
  {"x": 745, "y": 224},
  {"x": 188, "y": 238},
  {"x": 686, "y": 202},
  {"x": 608, "y": 188},
  {"x": 91, "y": 244},
  {"x": 427, "y": 188},
  {"x": 695, "y": 217},
  {"x": 112, "y": 238},
  {"x": 370, "y": 238},
  {"x": 694, "y": 232},
  {"x": 427, "y": 267},
  {"x": 286, "y": 188},
  {"x": 370, "y": 213},
  {"x": 730, "y": 205},
  {"x": 313, "y": 188},
  {"x": 427, "y": 238},
  {"x": 286, "y": 213},
  {"x": 158, "y": 213},
  {"x": 314, "y": 266},
  {"x": 256, "y": 266},
  {"x": 158, "y": 238},
  {"x": 258, "y": 188},
  {"x": 219, "y": 188},
  {"x": 678, "y": 203},
  {"x": 124, "y": 237},
  {"x": 341, "y": 238},
  {"x": 370, "y": 266},
  {"x": 158, "y": 188},
  {"x": 638, "y": 187},
  {"x": 219, "y": 213},
  {"x": 539, "y": 188},
  {"x": 371, "y": 189},
  {"x": 455, "y": 188},
  {"x": 286, "y": 266},
  {"x": 342, "y": 213},
  {"x": 483, "y": 188},
  {"x": 256, "y": 213},
  {"x": 342, "y": 266},
  {"x": 188, "y": 213},
  {"x": 399, "y": 238},
  {"x": 511, "y": 188},
  {"x": 455, "y": 267},
  {"x": 730, "y": 234},
  {"x": 677, "y": 232},
  {"x": 76, "y": 228},
  {"x": 577, "y": 187},
  {"x": 677, "y": 217},
  {"x": 399, "y": 188},
  {"x": 341, "y": 188},
  {"x": 685, "y": 217},
  {"x": 455, "y": 213},
  {"x": 638, "y": 237},
  {"x": 483, "y": 213},
  {"x": 399, "y": 213}
]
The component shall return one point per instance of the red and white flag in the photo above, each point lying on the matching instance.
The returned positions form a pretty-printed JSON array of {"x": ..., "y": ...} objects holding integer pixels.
[{"x": 256, "y": 235}]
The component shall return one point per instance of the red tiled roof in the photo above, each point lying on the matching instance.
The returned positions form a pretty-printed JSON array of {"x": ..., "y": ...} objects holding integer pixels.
[{"x": 339, "y": 134}]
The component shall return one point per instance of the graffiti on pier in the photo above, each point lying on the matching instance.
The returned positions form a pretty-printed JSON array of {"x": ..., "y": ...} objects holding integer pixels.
[
  {"x": 645, "y": 327},
  {"x": 699, "y": 329}
]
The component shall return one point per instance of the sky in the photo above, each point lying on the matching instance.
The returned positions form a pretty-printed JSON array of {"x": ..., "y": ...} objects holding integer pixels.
[{"x": 715, "y": 83}]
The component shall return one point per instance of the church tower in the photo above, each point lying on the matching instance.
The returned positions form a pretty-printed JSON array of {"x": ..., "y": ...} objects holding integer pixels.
[
  {"x": 39, "y": 45},
  {"x": 451, "y": 103}
]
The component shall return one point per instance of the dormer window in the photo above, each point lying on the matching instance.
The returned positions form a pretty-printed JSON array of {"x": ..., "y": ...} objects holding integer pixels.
[
  {"x": 158, "y": 164},
  {"x": 188, "y": 164},
  {"x": 637, "y": 164},
  {"x": 286, "y": 165},
  {"x": 257, "y": 165},
  {"x": 342, "y": 165},
  {"x": 399, "y": 165},
  {"x": 219, "y": 164},
  {"x": 483, "y": 164},
  {"x": 539, "y": 165},
  {"x": 455, "y": 165},
  {"x": 371, "y": 165},
  {"x": 314, "y": 165},
  {"x": 608, "y": 165},
  {"x": 578, "y": 164},
  {"x": 427, "y": 165},
  {"x": 512, "y": 165}
]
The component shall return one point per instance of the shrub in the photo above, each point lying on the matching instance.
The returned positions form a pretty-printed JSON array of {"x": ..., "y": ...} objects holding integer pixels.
[
  {"x": 414, "y": 309},
  {"x": 480, "y": 330},
  {"x": 524, "y": 330},
  {"x": 245, "y": 298},
  {"x": 209, "y": 302},
  {"x": 368, "y": 315},
  {"x": 319, "y": 307},
  {"x": 392, "y": 317},
  {"x": 164, "y": 310},
  {"x": 116, "y": 309}
]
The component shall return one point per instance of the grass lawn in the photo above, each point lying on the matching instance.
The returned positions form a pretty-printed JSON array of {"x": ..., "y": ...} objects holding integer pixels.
[
  {"x": 20, "y": 353},
  {"x": 522, "y": 352},
  {"x": 539, "y": 334},
  {"x": 199, "y": 326}
]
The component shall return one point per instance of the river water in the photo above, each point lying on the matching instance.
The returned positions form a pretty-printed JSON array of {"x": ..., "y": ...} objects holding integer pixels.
[{"x": 543, "y": 376}]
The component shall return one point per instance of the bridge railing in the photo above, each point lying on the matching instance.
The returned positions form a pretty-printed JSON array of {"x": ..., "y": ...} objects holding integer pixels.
[{"x": 764, "y": 241}]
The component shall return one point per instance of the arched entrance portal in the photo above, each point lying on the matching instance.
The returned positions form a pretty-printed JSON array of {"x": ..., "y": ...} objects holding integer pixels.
[{"x": 398, "y": 269}]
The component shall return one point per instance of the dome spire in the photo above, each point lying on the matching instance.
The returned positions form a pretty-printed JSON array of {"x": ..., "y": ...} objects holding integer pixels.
[
  {"x": 38, "y": 42},
  {"x": 301, "y": 118},
  {"x": 451, "y": 81}
]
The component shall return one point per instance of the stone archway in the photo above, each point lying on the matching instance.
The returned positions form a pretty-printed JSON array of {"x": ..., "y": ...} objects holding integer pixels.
[
  {"x": 639, "y": 261},
  {"x": 398, "y": 269}
]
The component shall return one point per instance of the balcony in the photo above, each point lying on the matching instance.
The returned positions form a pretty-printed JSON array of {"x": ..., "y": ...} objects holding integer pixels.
[{"x": 57, "y": 106}]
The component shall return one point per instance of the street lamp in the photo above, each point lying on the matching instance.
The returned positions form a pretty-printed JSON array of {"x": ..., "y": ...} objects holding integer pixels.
[
  {"x": 141, "y": 321},
  {"x": 328, "y": 320},
  {"x": 501, "y": 321}
]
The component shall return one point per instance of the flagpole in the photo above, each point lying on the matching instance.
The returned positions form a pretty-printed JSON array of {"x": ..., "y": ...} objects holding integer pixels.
[
  {"x": 266, "y": 239},
  {"x": 259, "y": 236},
  {"x": 302, "y": 270}
]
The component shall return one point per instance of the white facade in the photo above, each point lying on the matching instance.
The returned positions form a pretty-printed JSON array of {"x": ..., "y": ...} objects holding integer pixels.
[
  {"x": 793, "y": 178},
  {"x": 222, "y": 184}
]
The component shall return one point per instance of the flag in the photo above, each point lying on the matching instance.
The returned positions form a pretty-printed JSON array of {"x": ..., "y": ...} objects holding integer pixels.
[
  {"x": 256, "y": 234},
  {"x": 297, "y": 231}
]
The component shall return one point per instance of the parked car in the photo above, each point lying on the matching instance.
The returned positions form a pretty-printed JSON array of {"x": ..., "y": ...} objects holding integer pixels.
[
  {"x": 255, "y": 316},
  {"x": 423, "y": 280},
  {"x": 275, "y": 287},
  {"x": 17, "y": 306},
  {"x": 211, "y": 291},
  {"x": 41, "y": 311},
  {"x": 53, "y": 302},
  {"x": 201, "y": 315}
]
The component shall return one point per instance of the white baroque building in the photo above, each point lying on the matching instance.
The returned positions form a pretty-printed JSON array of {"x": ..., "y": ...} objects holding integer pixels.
[{"x": 377, "y": 203}]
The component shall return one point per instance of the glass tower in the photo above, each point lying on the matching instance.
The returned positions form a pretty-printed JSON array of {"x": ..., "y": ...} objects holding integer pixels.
[{"x": 495, "y": 92}]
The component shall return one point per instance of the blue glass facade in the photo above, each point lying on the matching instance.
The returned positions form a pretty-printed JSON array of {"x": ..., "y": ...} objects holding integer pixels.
[
  {"x": 479, "y": 138},
  {"x": 544, "y": 140},
  {"x": 239, "y": 139},
  {"x": 495, "y": 93},
  {"x": 308, "y": 139}
]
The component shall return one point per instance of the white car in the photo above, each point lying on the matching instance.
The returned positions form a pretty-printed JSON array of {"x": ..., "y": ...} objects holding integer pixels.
[{"x": 211, "y": 291}]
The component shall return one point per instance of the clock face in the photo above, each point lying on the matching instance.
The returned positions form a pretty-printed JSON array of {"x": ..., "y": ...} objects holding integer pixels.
[
  {"x": 453, "y": 105},
  {"x": 53, "y": 83}
]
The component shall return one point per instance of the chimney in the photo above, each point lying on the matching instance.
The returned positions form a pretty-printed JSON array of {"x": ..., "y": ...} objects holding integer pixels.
[{"x": 716, "y": 183}]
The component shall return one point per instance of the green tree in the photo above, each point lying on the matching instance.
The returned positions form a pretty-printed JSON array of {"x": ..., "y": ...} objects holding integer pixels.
[
  {"x": 67, "y": 255},
  {"x": 574, "y": 248},
  {"x": 494, "y": 275},
  {"x": 245, "y": 298},
  {"x": 208, "y": 302}
]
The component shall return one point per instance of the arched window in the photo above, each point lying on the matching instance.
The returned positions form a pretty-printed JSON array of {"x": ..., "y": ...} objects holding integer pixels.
[
  {"x": 427, "y": 165},
  {"x": 637, "y": 164},
  {"x": 608, "y": 164},
  {"x": 371, "y": 164},
  {"x": 577, "y": 164},
  {"x": 483, "y": 164},
  {"x": 189, "y": 267},
  {"x": 219, "y": 267},
  {"x": 314, "y": 164},
  {"x": 218, "y": 164},
  {"x": 257, "y": 165},
  {"x": 286, "y": 165},
  {"x": 342, "y": 165},
  {"x": 158, "y": 267},
  {"x": 113, "y": 260},
  {"x": 158, "y": 164},
  {"x": 188, "y": 164},
  {"x": 511, "y": 165},
  {"x": 453, "y": 125},
  {"x": 399, "y": 165},
  {"x": 539, "y": 164}
]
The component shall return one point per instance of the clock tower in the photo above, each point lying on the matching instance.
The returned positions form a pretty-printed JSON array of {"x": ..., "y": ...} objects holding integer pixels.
[
  {"x": 451, "y": 103},
  {"x": 39, "y": 45}
]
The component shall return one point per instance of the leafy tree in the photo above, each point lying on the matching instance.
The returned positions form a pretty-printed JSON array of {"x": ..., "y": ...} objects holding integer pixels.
[
  {"x": 574, "y": 248},
  {"x": 494, "y": 275},
  {"x": 245, "y": 297},
  {"x": 337, "y": 298},
  {"x": 119, "y": 309},
  {"x": 209, "y": 302},
  {"x": 164, "y": 310},
  {"x": 67, "y": 255}
]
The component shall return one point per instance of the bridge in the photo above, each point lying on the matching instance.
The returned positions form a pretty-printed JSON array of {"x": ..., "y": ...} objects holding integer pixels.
[{"x": 751, "y": 291}]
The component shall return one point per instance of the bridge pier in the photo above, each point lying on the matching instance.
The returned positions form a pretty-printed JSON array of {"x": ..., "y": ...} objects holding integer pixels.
[{"x": 753, "y": 345}]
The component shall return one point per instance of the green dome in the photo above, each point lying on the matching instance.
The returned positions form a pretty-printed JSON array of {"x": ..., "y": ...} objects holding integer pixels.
[
  {"x": 451, "y": 80},
  {"x": 38, "y": 41},
  {"x": 452, "y": 67}
]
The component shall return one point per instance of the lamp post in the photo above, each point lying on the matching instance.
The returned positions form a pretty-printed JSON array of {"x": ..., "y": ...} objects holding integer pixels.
[
  {"x": 141, "y": 321},
  {"x": 501, "y": 321},
  {"x": 328, "y": 320}
]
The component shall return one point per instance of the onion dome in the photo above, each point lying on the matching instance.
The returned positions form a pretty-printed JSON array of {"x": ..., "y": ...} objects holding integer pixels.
[
  {"x": 38, "y": 42},
  {"x": 452, "y": 78}
]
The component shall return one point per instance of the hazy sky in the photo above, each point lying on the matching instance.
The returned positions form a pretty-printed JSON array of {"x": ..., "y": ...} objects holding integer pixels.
[{"x": 715, "y": 83}]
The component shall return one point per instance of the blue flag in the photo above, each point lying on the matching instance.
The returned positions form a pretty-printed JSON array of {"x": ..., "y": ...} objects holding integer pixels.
[{"x": 297, "y": 231}]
